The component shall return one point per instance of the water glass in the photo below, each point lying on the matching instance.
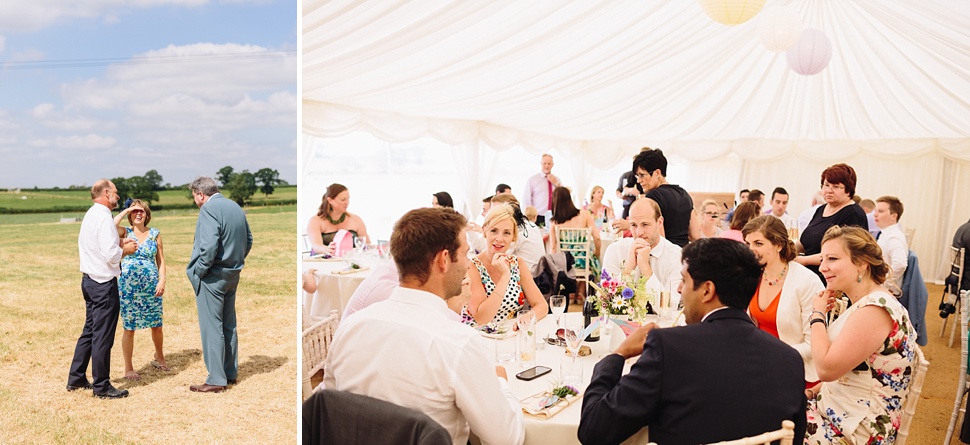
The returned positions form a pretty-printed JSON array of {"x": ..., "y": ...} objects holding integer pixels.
[
  {"x": 505, "y": 349},
  {"x": 571, "y": 371},
  {"x": 526, "y": 322}
]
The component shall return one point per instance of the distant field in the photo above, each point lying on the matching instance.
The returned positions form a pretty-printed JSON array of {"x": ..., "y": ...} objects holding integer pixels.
[{"x": 80, "y": 200}]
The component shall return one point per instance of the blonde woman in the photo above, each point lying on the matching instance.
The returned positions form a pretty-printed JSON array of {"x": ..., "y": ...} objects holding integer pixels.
[
  {"x": 141, "y": 285},
  {"x": 602, "y": 213},
  {"x": 865, "y": 357},
  {"x": 499, "y": 286}
]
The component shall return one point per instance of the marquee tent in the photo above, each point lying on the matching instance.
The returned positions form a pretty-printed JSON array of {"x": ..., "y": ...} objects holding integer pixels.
[{"x": 596, "y": 80}]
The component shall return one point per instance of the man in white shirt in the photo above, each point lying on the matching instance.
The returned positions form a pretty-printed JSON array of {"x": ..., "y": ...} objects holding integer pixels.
[
  {"x": 413, "y": 351},
  {"x": 806, "y": 216},
  {"x": 538, "y": 189},
  {"x": 100, "y": 250},
  {"x": 892, "y": 241},
  {"x": 647, "y": 254},
  {"x": 779, "y": 208}
]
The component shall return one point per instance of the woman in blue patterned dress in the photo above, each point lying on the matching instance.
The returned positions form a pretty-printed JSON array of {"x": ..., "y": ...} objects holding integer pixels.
[
  {"x": 141, "y": 285},
  {"x": 865, "y": 357},
  {"x": 495, "y": 269}
]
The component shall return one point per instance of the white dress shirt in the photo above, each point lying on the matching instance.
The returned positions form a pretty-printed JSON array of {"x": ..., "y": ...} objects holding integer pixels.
[
  {"x": 375, "y": 288},
  {"x": 97, "y": 245},
  {"x": 895, "y": 253},
  {"x": 787, "y": 219},
  {"x": 536, "y": 193},
  {"x": 409, "y": 351},
  {"x": 529, "y": 247},
  {"x": 664, "y": 260}
]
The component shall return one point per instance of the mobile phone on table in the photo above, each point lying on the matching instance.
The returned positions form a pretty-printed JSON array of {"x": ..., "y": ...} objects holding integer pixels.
[{"x": 533, "y": 373}]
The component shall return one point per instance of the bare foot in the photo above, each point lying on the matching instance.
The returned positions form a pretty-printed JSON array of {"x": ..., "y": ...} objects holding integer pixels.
[{"x": 132, "y": 375}]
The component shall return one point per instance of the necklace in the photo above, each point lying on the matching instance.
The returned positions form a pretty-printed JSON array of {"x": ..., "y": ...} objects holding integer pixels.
[
  {"x": 342, "y": 217},
  {"x": 776, "y": 280}
]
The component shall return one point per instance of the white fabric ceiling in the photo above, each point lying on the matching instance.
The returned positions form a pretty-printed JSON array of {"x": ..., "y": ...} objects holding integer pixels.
[{"x": 599, "y": 79}]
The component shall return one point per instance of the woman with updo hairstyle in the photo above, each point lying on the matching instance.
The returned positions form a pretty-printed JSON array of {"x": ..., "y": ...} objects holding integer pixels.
[
  {"x": 744, "y": 212},
  {"x": 838, "y": 188},
  {"x": 499, "y": 286},
  {"x": 332, "y": 217},
  {"x": 782, "y": 305},
  {"x": 442, "y": 199},
  {"x": 865, "y": 357}
]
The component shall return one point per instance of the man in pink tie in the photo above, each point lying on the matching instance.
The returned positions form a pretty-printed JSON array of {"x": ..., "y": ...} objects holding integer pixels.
[{"x": 538, "y": 190}]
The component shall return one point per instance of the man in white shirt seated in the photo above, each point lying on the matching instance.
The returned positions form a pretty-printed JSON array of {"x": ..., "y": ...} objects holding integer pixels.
[
  {"x": 806, "y": 216},
  {"x": 892, "y": 241},
  {"x": 779, "y": 208},
  {"x": 412, "y": 350},
  {"x": 647, "y": 254}
]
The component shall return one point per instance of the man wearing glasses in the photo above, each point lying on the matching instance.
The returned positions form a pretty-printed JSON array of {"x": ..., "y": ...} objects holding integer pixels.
[{"x": 650, "y": 168}]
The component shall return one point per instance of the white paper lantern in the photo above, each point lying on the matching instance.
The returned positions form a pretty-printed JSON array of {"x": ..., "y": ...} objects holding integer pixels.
[
  {"x": 811, "y": 54},
  {"x": 731, "y": 12},
  {"x": 779, "y": 28}
]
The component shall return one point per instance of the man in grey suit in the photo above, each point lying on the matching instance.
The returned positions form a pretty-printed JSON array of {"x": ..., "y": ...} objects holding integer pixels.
[{"x": 222, "y": 242}]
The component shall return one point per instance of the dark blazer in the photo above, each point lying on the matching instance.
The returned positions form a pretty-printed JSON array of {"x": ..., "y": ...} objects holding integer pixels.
[
  {"x": 222, "y": 242},
  {"x": 721, "y": 379},
  {"x": 338, "y": 417}
]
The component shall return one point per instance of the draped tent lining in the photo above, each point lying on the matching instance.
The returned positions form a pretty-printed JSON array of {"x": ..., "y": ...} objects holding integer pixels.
[{"x": 597, "y": 80}]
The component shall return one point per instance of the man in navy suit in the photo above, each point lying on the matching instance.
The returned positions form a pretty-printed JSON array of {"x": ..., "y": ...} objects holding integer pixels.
[
  {"x": 719, "y": 378},
  {"x": 222, "y": 242}
]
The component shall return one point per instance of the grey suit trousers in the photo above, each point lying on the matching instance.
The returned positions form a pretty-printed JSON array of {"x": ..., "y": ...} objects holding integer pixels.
[{"x": 216, "y": 303}]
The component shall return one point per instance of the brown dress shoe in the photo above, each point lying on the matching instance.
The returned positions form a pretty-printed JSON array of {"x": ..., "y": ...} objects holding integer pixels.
[{"x": 205, "y": 387}]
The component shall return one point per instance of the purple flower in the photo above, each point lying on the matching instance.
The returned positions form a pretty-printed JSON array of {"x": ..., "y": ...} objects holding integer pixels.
[
  {"x": 604, "y": 276},
  {"x": 627, "y": 293}
]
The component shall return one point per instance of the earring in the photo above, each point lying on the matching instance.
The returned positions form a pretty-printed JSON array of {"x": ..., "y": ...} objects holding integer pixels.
[{"x": 859, "y": 280}]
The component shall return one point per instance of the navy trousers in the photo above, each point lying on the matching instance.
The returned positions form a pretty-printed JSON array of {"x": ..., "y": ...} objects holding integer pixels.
[{"x": 101, "y": 306}]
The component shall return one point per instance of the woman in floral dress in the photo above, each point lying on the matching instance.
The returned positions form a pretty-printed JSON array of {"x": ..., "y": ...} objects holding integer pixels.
[
  {"x": 865, "y": 357},
  {"x": 141, "y": 285},
  {"x": 496, "y": 269}
]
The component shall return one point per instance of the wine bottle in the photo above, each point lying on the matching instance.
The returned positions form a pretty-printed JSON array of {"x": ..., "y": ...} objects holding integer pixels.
[{"x": 589, "y": 316}]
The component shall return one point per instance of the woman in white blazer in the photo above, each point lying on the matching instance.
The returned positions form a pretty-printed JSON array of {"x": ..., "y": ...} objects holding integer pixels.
[{"x": 782, "y": 306}]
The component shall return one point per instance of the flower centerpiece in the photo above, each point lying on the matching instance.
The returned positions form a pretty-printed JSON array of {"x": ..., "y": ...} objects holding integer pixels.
[{"x": 626, "y": 296}]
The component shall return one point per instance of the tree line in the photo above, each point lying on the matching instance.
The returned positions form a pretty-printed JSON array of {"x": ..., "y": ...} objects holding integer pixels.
[{"x": 239, "y": 187}]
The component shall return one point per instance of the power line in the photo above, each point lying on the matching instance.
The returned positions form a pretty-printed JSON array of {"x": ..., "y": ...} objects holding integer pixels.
[{"x": 197, "y": 58}]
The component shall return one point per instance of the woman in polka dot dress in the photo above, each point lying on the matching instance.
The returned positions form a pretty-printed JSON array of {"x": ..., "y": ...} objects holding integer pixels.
[{"x": 496, "y": 269}]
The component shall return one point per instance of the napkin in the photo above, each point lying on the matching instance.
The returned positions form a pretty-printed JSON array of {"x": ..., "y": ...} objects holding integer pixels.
[
  {"x": 348, "y": 270},
  {"x": 531, "y": 405}
]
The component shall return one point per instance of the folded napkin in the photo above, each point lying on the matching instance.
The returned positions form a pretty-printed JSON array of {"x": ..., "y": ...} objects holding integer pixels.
[
  {"x": 348, "y": 270},
  {"x": 541, "y": 406}
]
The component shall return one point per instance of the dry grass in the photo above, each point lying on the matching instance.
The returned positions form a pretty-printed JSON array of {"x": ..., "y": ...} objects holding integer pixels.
[{"x": 42, "y": 311}]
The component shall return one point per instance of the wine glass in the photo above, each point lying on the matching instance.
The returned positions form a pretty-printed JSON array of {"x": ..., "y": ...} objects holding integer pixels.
[
  {"x": 558, "y": 305},
  {"x": 573, "y": 334}
]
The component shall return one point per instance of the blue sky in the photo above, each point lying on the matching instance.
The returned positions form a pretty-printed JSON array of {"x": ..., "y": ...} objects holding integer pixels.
[{"x": 191, "y": 86}]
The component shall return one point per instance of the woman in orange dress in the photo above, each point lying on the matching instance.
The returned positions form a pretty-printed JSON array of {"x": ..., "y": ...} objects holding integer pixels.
[{"x": 782, "y": 305}]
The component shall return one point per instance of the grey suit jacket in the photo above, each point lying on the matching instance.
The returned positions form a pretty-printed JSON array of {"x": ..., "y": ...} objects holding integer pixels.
[{"x": 222, "y": 242}]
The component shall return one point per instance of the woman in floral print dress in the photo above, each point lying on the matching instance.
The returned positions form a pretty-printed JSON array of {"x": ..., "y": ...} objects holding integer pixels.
[
  {"x": 499, "y": 286},
  {"x": 141, "y": 285},
  {"x": 865, "y": 357}
]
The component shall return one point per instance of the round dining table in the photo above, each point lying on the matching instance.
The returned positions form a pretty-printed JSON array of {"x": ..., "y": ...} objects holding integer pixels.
[
  {"x": 563, "y": 426},
  {"x": 334, "y": 287}
]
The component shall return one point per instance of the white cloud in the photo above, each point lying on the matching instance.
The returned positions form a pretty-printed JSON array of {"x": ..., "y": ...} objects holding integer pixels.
[
  {"x": 37, "y": 14},
  {"x": 91, "y": 141}
]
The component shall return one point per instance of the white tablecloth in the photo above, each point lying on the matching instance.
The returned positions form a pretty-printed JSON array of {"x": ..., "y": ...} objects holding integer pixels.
[
  {"x": 561, "y": 428},
  {"x": 333, "y": 291}
]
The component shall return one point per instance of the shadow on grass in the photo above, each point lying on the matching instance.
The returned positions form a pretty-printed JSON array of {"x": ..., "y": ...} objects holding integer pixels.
[{"x": 176, "y": 362}]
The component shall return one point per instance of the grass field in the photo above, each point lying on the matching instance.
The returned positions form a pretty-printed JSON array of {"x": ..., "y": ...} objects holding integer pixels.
[
  {"x": 42, "y": 311},
  {"x": 81, "y": 199}
]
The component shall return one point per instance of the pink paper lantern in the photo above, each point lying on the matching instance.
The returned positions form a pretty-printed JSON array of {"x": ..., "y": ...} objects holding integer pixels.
[{"x": 811, "y": 54}]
